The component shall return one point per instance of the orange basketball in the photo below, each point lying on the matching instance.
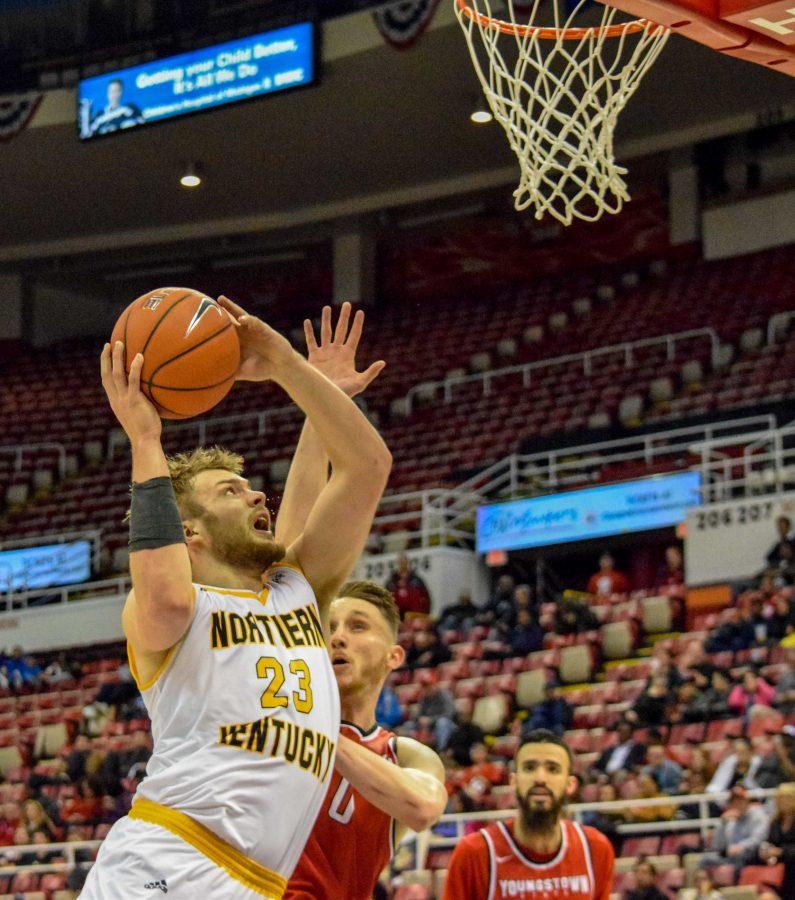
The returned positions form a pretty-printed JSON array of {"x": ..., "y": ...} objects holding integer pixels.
[{"x": 190, "y": 349}]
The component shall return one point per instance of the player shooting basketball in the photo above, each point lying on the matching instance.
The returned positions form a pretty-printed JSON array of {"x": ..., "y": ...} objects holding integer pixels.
[
  {"x": 383, "y": 784},
  {"x": 236, "y": 677},
  {"x": 538, "y": 854}
]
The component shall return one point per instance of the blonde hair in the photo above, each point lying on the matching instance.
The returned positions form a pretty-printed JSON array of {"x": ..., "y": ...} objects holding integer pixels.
[
  {"x": 184, "y": 467},
  {"x": 380, "y": 598}
]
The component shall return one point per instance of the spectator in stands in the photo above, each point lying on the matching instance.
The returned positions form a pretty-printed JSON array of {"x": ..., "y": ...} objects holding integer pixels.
[
  {"x": 645, "y": 875},
  {"x": 427, "y": 650},
  {"x": 118, "y": 692},
  {"x": 742, "y": 829},
  {"x": 651, "y": 707},
  {"x": 553, "y": 713},
  {"x": 735, "y": 634},
  {"x": 626, "y": 754},
  {"x": 459, "y": 616},
  {"x": 649, "y": 789},
  {"x": 9, "y": 817},
  {"x": 409, "y": 590},
  {"x": 58, "y": 671},
  {"x": 666, "y": 772},
  {"x": 387, "y": 710},
  {"x": 783, "y": 541},
  {"x": 672, "y": 574},
  {"x": 784, "y": 699},
  {"x": 608, "y": 580},
  {"x": 482, "y": 773},
  {"x": 692, "y": 783},
  {"x": 708, "y": 703},
  {"x": 436, "y": 714},
  {"x": 22, "y": 670},
  {"x": 39, "y": 857},
  {"x": 500, "y": 603},
  {"x": 778, "y": 766},
  {"x": 117, "y": 763},
  {"x": 662, "y": 663},
  {"x": 781, "y": 621},
  {"x": 752, "y": 691},
  {"x": 85, "y": 808},
  {"x": 573, "y": 617},
  {"x": 703, "y": 889},
  {"x": 780, "y": 844},
  {"x": 736, "y": 770},
  {"x": 606, "y": 821},
  {"x": 701, "y": 764},
  {"x": 464, "y": 738},
  {"x": 783, "y": 572},
  {"x": 526, "y": 636},
  {"x": 34, "y": 818}
]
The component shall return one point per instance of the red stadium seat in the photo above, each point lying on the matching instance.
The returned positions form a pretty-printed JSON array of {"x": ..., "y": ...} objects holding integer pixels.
[
  {"x": 761, "y": 875},
  {"x": 641, "y": 846}
]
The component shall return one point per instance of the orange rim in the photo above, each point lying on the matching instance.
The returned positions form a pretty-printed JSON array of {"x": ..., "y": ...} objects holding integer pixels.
[{"x": 553, "y": 34}]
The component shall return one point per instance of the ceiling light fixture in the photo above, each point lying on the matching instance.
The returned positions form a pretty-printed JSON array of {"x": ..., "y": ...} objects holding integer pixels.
[
  {"x": 191, "y": 177},
  {"x": 481, "y": 114}
]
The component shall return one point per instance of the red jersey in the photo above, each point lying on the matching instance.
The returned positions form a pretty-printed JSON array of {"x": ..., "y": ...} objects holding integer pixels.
[
  {"x": 352, "y": 840},
  {"x": 491, "y": 865}
]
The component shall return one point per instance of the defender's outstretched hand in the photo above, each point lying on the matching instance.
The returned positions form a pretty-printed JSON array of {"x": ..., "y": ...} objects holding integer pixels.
[
  {"x": 335, "y": 355},
  {"x": 263, "y": 351},
  {"x": 136, "y": 414}
]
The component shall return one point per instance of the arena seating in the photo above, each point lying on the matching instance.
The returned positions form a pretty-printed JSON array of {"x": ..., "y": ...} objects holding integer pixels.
[{"x": 441, "y": 443}]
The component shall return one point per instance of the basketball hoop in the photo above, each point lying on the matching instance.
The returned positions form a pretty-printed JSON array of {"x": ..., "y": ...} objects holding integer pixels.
[{"x": 559, "y": 99}]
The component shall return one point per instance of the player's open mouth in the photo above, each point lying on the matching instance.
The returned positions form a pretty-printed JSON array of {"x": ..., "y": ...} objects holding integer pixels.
[
  {"x": 338, "y": 661},
  {"x": 262, "y": 523}
]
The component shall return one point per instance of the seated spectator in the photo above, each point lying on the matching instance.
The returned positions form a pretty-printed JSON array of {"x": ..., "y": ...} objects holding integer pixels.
[
  {"x": 39, "y": 857},
  {"x": 778, "y": 766},
  {"x": 645, "y": 875},
  {"x": 651, "y": 707},
  {"x": 500, "y": 603},
  {"x": 662, "y": 663},
  {"x": 118, "y": 692},
  {"x": 706, "y": 704},
  {"x": 58, "y": 671},
  {"x": 409, "y": 590},
  {"x": 388, "y": 713},
  {"x": 780, "y": 844},
  {"x": 666, "y": 772},
  {"x": 692, "y": 783},
  {"x": 735, "y": 634},
  {"x": 553, "y": 713},
  {"x": 701, "y": 764},
  {"x": 672, "y": 574},
  {"x": 736, "y": 770},
  {"x": 573, "y": 617},
  {"x": 482, "y": 770},
  {"x": 703, "y": 889},
  {"x": 608, "y": 580},
  {"x": 781, "y": 621},
  {"x": 463, "y": 738},
  {"x": 648, "y": 789},
  {"x": 784, "y": 699},
  {"x": 427, "y": 651},
  {"x": 85, "y": 808},
  {"x": 22, "y": 670},
  {"x": 436, "y": 712},
  {"x": 606, "y": 821},
  {"x": 753, "y": 691},
  {"x": 526, "y": 636},
  {"x": 626, "y": 754},
  {"x": 459, "y": 616},
  {"x": 9, "y": 817},
  {"x": 34, "y": 818},
  {"x": 742, "y": 829}
]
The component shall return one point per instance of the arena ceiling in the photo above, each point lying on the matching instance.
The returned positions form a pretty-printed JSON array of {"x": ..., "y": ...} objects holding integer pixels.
[{"x": 384, "y": 128}]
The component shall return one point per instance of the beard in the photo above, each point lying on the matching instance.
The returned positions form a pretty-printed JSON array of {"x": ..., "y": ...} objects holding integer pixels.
[
  {"x": 239, "y": 548},
  {"x": 540, "y": 819}
]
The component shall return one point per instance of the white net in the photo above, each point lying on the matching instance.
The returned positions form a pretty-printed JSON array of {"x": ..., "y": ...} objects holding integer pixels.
[{"x": 557, "y": 90}]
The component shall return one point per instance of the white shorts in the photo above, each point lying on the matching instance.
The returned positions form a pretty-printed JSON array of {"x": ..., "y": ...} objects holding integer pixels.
[{"x": 139, "y": 860}]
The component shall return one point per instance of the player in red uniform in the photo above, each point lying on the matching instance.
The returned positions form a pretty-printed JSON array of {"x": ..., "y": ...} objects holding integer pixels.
[
  {"x": 382, "y": 784},
  {"x": 538, "y": 855}
]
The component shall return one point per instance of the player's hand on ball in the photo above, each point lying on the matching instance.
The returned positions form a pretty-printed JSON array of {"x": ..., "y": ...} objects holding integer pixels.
[
  {"x": 335, "y": 356},
  {"x": 263, "y": 351},
  {"x": 136, "y": 415}
]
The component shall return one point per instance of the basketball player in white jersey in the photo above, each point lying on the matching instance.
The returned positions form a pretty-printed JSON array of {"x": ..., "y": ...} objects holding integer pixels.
[{"x": 225, "y": 642}]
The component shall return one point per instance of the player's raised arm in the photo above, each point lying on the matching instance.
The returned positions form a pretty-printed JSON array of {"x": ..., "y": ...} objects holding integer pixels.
[
  {"x": 337, "y": 526},
  {"x": 335, "y": 357},
  {"x": 411, "y": 792},
  {"x": 160, "y": 605}
]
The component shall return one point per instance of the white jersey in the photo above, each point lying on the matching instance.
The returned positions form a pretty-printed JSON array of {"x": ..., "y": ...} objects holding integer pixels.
[{"x": 245, "y": 716}]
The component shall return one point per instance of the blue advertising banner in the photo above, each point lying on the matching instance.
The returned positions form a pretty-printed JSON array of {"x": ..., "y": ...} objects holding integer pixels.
[
  {"x": 30, "y": 568},
  {"x": 591, "y": 513},
  {"x": 201, "y": 79}
]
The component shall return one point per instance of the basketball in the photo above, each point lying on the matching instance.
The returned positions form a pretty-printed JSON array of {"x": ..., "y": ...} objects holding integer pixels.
[{"x": 190, "y": 348}]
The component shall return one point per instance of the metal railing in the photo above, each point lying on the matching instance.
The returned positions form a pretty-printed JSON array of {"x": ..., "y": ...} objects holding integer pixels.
[
  {"x": 68, "y": 849},
  {"x": 704, "y": 824},
  {"x": 18, "y": 451},
  {"x": 109, "y": 589},
  {"x": 585, "y": 358}
]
